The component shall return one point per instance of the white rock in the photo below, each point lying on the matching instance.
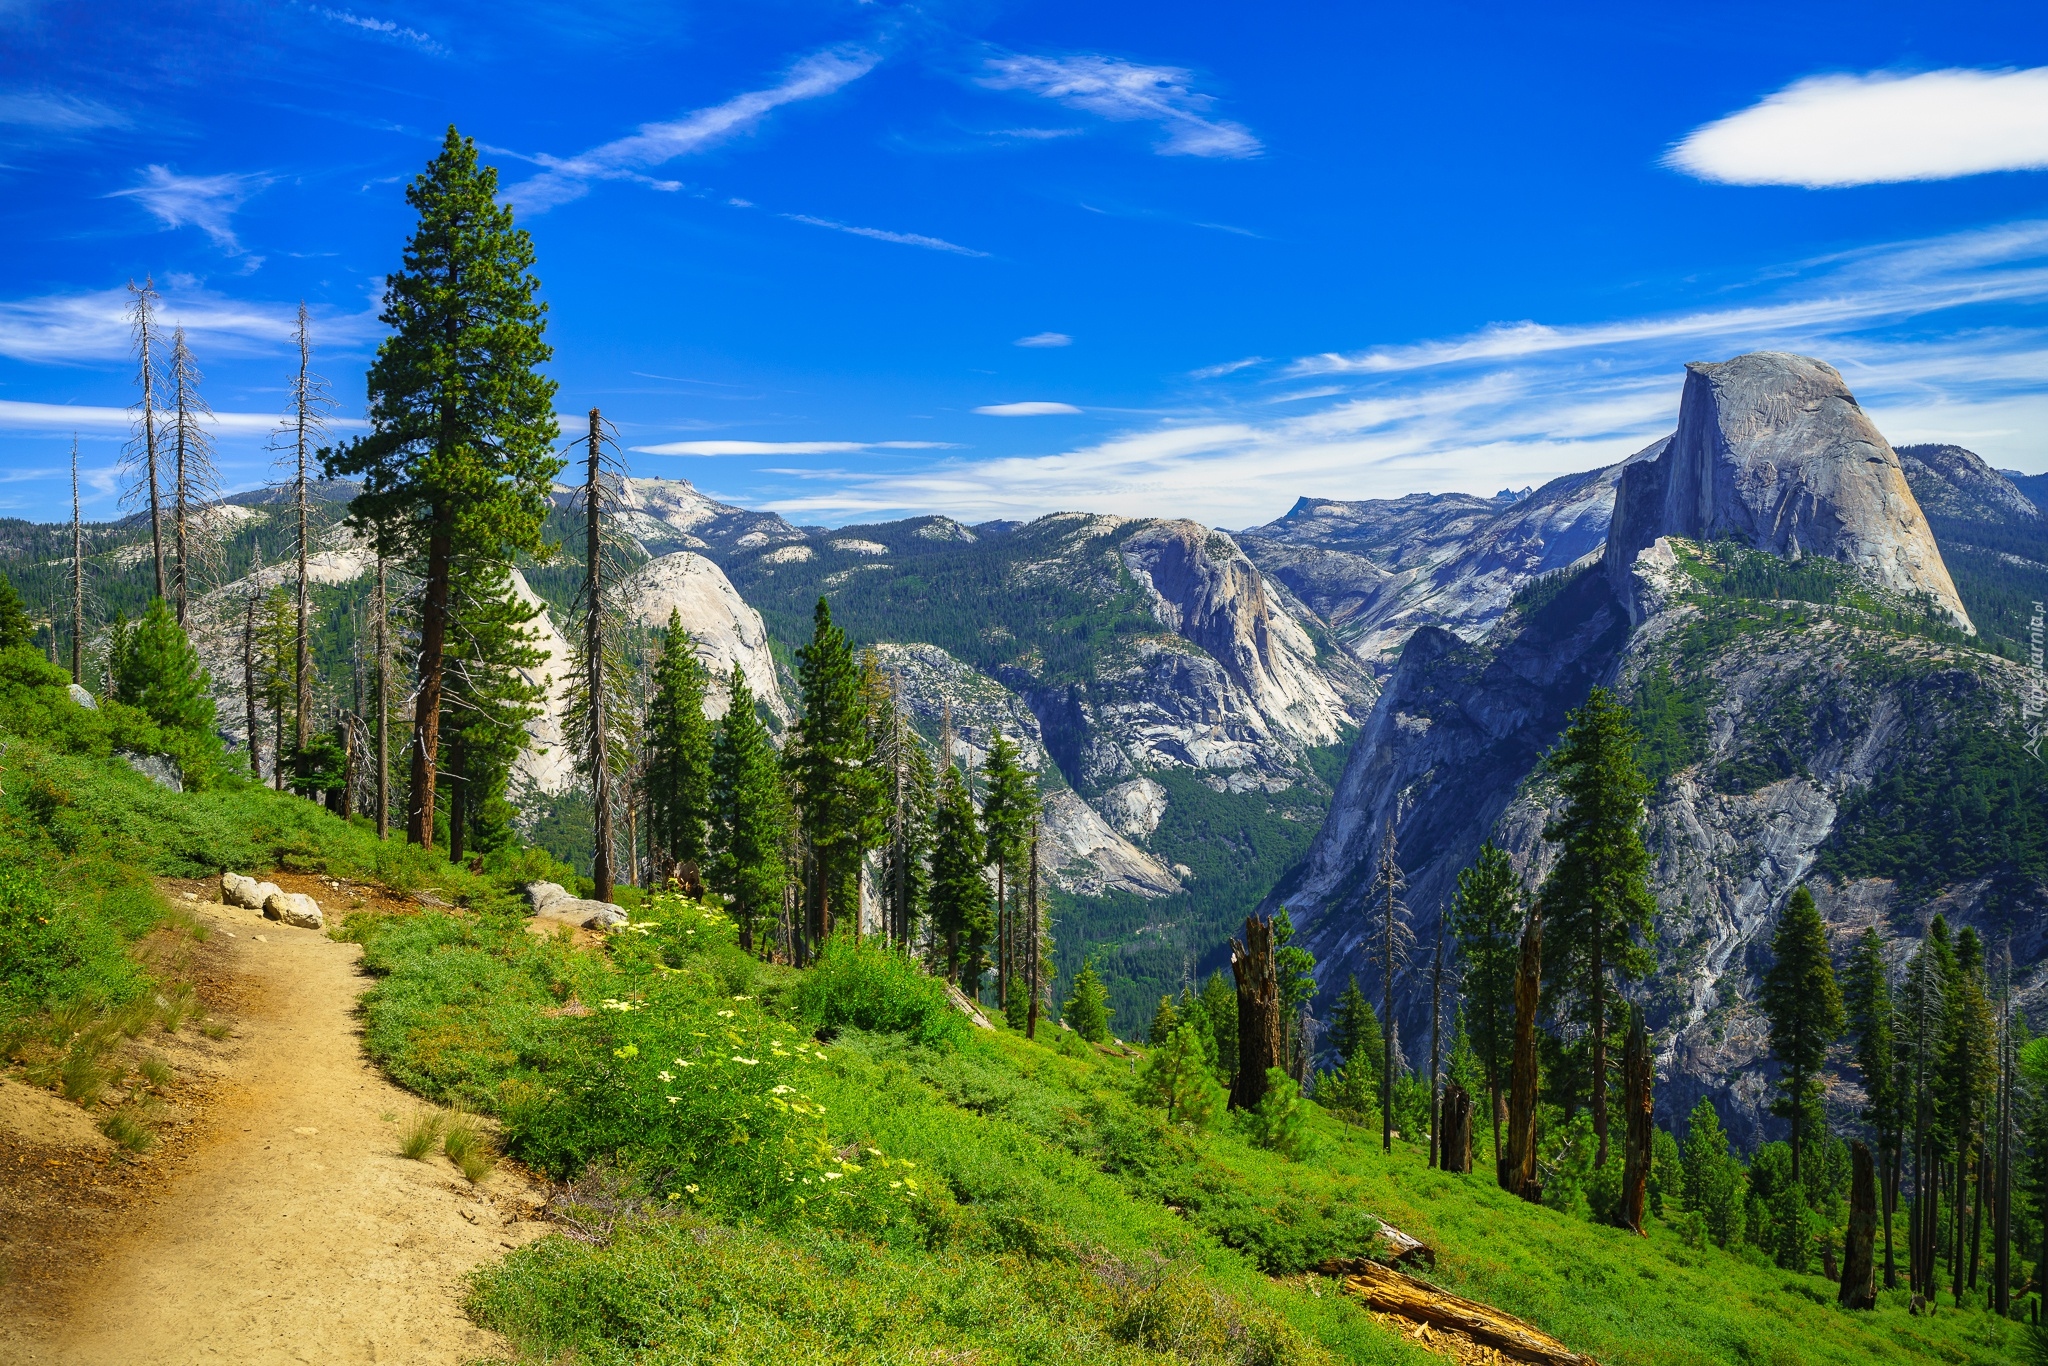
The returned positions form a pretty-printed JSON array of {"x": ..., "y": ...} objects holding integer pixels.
[
  {"x": 294, "y": 908},
  {"x": 552, "y": 901},
  {"x": 541, "y": 895},
  {"x": 246, "y": 892},
  {"x": 82, "y": 698},
  {"x": 724, "y": 629}
]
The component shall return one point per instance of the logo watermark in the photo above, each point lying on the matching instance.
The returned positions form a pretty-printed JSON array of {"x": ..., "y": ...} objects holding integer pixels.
[{"x": 2036, "y": 695}]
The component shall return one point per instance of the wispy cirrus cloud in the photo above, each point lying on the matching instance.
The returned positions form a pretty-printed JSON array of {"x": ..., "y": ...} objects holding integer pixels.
[
  {"x": 1044, "y": 339},
  {"x": 1525, "y": 403},
  {"x": 1127, "y": 92},
  {"x": 905, "y": 239},
  {"x": 58, "y": 418},
  {"x": 92, "y": 326},
  {"x": 55, "y": 112},
  {"x": 206, "y": 202},
  {"x": 1030, "y": 409},
  {"x": 1827, "y": 132},
  {"x": 631, "y": 158},
  {"x": 786, "y": 447},
  {"x": 384, "y": 28}
]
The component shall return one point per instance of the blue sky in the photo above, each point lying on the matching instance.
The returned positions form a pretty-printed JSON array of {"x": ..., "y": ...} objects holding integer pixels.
[{"x": 855, "y": 260}]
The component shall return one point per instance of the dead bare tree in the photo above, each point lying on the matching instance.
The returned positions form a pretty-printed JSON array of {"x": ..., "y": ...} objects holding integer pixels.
[
  {"x": 141, "y": 460},
  {"x": 602, "y": 715},
  {"x": 1032, "y": 931},
  {"x": 1259, "y": 1024},
  {"x": 249, "y": 684},
  {"x": 1393, "y": 941},
  {"x": 297, "y": 440},
  {"x": 77, "y": 576},
  {"x": 195, "y": 483}
]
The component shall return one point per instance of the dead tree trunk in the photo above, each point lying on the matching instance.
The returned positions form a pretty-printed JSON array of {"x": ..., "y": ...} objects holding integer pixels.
[
  {"x": 1859, "y": 1259},
  {"x": 594, "y": 662},
  {"x": 1031, "y": 935},
  {"x": 1518, "y": 1167},
  {"x": 77, "y": 578},
  {"x": 1258, "y": 1012},
  {"x": 1639, "y": 1129},
  {"x": 1456, "y": 1151}
]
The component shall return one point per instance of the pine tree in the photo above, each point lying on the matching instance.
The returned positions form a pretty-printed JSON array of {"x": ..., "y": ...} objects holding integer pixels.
[
  {"x": 1486, "y": 916},
  {"x": 1176, "y": 1078},
  {"x": 275, "y": 635},
  {"x": 156, "y": 671},
  {"x": 841, "y": 800},
  {"x": 487, "y": 701},
  {"x": 960, "y": 891},
  {"x": 676, "y": 777},
  {"x": 1596, "y": 901},
  {"x": 1804, "y": 1006},
  {"x": 460, "y": 459},
  {"x": 1712, "y": 1185},
  {"x": 1009, "y": 809},
  {"x": 1086, "y": 1010},
  {"x": 1870, "y": 1013},
  {"x": 1296, "y": 969},
  {"x": 1219, "y": 1007},
  {"x": 750, "y": 826},
  {"x": 15, "y": 627},
  {"x": 1165, "y": 1020},
  {"x": 908, "y": 867},
  {"x": 1392, "y": 941},
  {"x": 1968, "y": 1076}
]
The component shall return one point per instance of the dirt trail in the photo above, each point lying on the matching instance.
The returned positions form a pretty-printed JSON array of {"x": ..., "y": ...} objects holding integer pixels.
[{"x": 291, "y": 1230}]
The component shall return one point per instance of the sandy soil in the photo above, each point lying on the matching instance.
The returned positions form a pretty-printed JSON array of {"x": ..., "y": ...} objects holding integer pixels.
[{"x": 285, "y": 1227}]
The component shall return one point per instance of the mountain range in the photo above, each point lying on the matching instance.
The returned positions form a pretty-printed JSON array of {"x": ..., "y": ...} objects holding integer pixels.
[{"x": 1822, "y": 638}]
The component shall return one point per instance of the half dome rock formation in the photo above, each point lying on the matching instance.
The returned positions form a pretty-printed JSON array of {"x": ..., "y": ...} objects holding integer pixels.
[
  {"x": 1773, "y": 450},
  {"x": 726, "y": 630}
]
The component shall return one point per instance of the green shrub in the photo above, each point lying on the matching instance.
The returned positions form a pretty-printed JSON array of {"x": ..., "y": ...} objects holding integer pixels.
[
  {"x": 865, "y": 984},
  {"x": 1280, "y": 1121}
]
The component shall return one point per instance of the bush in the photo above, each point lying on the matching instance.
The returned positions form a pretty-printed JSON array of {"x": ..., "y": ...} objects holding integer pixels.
[
  {"x": 1280, "y": 1121},
  {"x": 864, "y": 984}
]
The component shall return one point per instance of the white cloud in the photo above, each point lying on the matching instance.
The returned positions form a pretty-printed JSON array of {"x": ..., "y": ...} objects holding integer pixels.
[
  {"x": 93, "y": 325},
  {"x": 907, "y": 239},
  {"x": 1045, "y": 339},
  {"x": 206, "y": 202},
  {"x": 1525, "y": 404},
  {"x": 786, "y": 447},
  {"x": 629, "y": 158},
  {"x": 384, "y": 28},
  {"x": 67, "y": 417},
  {"x": 1229, "y": 367},
  {"x": 1026, "y": 409},
  {"x": 1831, "y": 131},
  {"x": 57, "y": 113},
  {"x": 1127, "y": 92}
]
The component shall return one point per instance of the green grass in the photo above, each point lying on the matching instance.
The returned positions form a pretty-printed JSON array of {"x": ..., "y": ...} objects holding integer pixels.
[{"x": 1054, "y": 1215}]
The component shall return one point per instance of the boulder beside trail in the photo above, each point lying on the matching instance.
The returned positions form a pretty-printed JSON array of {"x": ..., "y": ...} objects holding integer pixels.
[
  {"x": 552, "y": 901},
  {"x": 294, "y": 908},
  {"x": 246, "y": 892}
]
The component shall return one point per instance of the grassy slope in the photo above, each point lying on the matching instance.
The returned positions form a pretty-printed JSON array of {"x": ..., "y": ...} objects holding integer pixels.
[{"x": 1066, "y": 1219}]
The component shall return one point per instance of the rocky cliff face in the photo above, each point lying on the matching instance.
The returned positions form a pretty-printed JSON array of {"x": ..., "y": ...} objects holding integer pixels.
[
  {"x": 670, "y": 514},
  {"x": 725, "y": 629},
  {"x": 1377, "y": 570},
  {"x": 1773, "y": 451},
  {"x": 1791, "y": 736}
]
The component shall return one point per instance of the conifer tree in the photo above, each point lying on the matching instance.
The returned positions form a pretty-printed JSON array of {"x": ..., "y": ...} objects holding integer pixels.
[
  {"x": 459, "y": 461},
  {"x": 1009, "y": 809},
  {"x": 1392, "y": 941},
  {"x": 750, "y": 825},
  {"x": 841, "y": 800},
  {"x": 960, "y": 892},
  {"x": 1219, "y": 1007},
  {"x": 1086, "y": 1010},
  {"x": 1596, "y": 901},
  {"x": 1165, "y": 1020},
  {"x": 1177, "y": 1078},
  {"x": 488, "y": 699},
  {"x": 156, "y": 670},
  {"x": 676, "y": 776},
  {"x": 1804, "y": 1005},
  {"x": 1486, "y": 917},
  {"x": 906, "y": 871},
  {"x": 1296, "y": 969},
  {"x": 1924, "y": 1019},
  {"x": 15, "y": 626},
  {"x": 1870, "y": 1012},
  {"x": 1712, "y": 1184},
  {"x": 1968, "y": 1077},
  {"x": 275, "y": 642}
]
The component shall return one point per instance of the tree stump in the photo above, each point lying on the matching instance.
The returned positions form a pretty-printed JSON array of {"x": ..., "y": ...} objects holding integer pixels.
[
  {"x": 1518, "y": 1166},
  {"x": 1639, "y": 1125},
  {"x": 1258, "y": 1012},
  {"x": 1457, "y": 1129},
  {"x": 1859, "y": 1259}
]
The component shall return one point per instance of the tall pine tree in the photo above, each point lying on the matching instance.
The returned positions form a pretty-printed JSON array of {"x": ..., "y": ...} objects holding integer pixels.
[
  {"x": 750, "y": 826},
  {"x": 487, "y": 701},
  {"x": 841, "y": 799},
  {"x": 676, "y": 778},
  {"x": 1873, "y": 1029},
  {"x": 459, "y": 460},
  {"x": 1804, "y": 1006},
  {"x": 960, "y": 894},
  {"x": 1596, "y": 901},
  {"x": 1009, "y": 809},
  {"x": 1486, "y": 917}
]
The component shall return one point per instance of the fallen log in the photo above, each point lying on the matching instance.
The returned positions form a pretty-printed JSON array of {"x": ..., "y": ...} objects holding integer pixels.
[
  {"x": 1394, "y": 1292},
  {"x": 958, "y": 999},
  {"x": 1404, "y": 1249}
]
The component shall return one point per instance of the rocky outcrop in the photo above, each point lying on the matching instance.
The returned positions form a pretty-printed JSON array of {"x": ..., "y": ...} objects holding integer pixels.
[
  {"x": 1773, "y": 451},
  {"x": 293, "y": 908},
  {"x": 1955, "y": 483},
  {"x": 552, "y": 901},
  {"x": 725, "y": 629},
  {"x": 546, "y": 765},
  {"x": 1084, "y": 856},
  {"x": 670, "y": 514},
  {"x": 1378, "y": 569},
  {"x": 246, "y": 892}
]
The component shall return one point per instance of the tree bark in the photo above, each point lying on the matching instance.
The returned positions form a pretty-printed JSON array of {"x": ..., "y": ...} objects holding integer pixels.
[
  {"x": 1599, "y": 989},
  {"x": 383, "y": 703},
  {"x": 1859, "y": 1262},
  {"x": 593, "y": 645},
  {"x": 1258, "y": 1011},
  {"x": 1639, "y": 1122},
  {"x": 1031, "y": 947},
  {"x": 1518, "y": 1167},
  {"x": 426, "y": 734},
  {"x": 1436, "y": 1023},
  {"x": 1456, "y": 1150}
]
